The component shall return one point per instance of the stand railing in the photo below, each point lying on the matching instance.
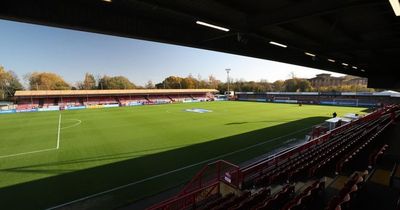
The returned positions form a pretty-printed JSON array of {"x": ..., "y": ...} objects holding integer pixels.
[{"x": 205, "y": 183}]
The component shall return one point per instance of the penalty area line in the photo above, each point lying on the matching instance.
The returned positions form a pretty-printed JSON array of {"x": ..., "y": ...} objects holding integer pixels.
[
  {"x": 26, "y": 153},
  {"x": 59, "y": 132},
  {"x": 78, "y": 122},
  {"x": 176, "y": 170},
  {"x": 42, "y": 150}
]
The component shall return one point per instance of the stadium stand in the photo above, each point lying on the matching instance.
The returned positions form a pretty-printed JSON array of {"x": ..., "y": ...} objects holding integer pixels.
[
  {"x": 70, "y": 99},
  {"x": 100, "y": 101},
  {"x": 348, "y": 191},
  {"x": 307, "y": 198},
  {"x": 324, "y": 98},
  {"x": 70, "y": 102},
  {"x": 271, "y": 183},
  {"x": 28, "y": 100},
  {"x": 373, "y": 157}
]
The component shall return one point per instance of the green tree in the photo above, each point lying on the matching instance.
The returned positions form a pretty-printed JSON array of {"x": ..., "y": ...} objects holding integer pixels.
[
  {"x": 172, "y": 82},
  {"x": 160, "y": 85},
  {"x": 117, "y": 82},
  {"x": 297, "y": 85},
  {"x": 238, "y": 85},
  {"x": 304, "y": 85},
  {"x": 89, "y": 83},
  {"x": 46, "y": 81},
  {"x": 9, "y": 83},
  {"x": 265, "y": 86},
  {"x": 149, "y": 85},
  {"x": 213, "y": 83},
  {"x": 189, "y": 82},
  {"x": 203, "y": 84},
  {"x": 291, "y": 85},
  {"x": 278, "y": 86},
  {"x": 222, "y": 87}
]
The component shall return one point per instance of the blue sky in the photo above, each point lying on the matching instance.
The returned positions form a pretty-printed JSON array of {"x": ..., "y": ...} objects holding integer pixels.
[{"x": 26, "y": 48}]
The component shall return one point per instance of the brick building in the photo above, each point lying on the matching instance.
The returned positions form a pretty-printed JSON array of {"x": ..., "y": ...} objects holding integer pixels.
[{"x": 325, "y": 80}]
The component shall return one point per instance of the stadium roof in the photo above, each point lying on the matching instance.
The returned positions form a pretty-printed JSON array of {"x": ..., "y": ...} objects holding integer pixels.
[
  {"x": 389, "y": 92},
  {"x": 358, "y": 37},
  {"x": 110, "y": 92}
]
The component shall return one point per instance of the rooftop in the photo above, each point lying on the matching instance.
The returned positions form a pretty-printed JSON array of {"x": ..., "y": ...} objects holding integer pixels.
[{"x": 109, "y": 92}]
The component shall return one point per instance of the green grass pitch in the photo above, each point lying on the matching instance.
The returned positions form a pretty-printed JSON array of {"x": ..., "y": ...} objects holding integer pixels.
[{"x": 101, "y": 149}]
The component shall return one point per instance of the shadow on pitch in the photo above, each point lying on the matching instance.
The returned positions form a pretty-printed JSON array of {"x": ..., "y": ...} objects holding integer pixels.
[
  {"x": 263, "y": 121},
  {"x": 54, "y": 190},
  {"x": 125, "y": 155}
]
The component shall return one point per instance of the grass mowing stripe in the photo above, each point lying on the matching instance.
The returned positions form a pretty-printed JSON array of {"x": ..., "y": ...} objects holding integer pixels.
[{"x": 176, "y": 170}]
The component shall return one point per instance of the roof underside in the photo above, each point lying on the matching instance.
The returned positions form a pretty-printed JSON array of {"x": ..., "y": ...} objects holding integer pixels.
[{"x": 362, "y": 33}]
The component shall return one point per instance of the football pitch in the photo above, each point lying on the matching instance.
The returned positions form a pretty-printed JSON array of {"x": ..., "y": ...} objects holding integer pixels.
[{"x": 119, "y": 155}]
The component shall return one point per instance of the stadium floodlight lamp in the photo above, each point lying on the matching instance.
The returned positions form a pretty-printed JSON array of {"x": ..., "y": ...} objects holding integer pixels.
[
  {"x": 212, "y": 26},
  {"x": 345, "y": 64},
  {"x": 331, "y": 60},
  {"x": 278, "y": 44},
  {"x": 227, "y": 74},
  {"x": 108, "y": 1},
  {"x": 309, "y": 54},
  {"x": 396, "y": 6},
  {"x": 354, "y": 67},
  {"x": 362, "y": 70}
]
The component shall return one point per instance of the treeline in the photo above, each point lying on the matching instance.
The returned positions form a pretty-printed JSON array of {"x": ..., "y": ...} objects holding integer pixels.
[
  {"x": 51, "y": 81},
  {"x": 9, "y": 83},
  {"x": 290, "y": 85}
]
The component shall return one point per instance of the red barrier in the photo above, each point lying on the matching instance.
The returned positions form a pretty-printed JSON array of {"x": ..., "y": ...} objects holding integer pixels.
[
  {"x": 189, "y": 199},
  {"x": 203, "y": 185}
]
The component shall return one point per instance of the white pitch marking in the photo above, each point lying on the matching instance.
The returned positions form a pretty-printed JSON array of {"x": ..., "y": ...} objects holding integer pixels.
[
  {"x": 59, "y": 132},
  {"x": 25, "y": 153},
  {"x": 74, "y": 125},
  {"x": 173, "y": 171},
  {"x": 42, "y": 150}
]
